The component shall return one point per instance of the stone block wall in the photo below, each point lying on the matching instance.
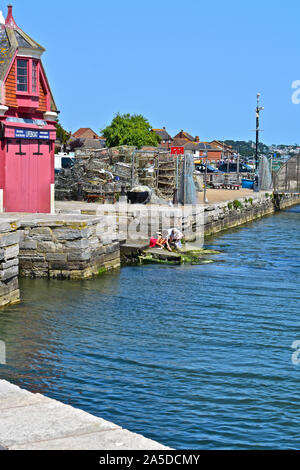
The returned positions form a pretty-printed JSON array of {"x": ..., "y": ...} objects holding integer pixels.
[
  {"x": 9, "y": 262},
  {"x": 138, "y": 222},
  {"x": 65, "y": 247},
  {"x": 225, "y": 215}
]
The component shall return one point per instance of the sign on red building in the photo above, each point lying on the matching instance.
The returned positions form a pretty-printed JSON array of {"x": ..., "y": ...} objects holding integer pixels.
[{"x": 177, "y": 150}]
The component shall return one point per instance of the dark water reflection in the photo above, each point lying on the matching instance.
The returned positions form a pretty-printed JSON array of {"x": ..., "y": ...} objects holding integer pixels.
[{"x": 194, "y": 357}]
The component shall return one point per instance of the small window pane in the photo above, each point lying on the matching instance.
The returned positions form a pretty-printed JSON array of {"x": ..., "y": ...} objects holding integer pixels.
[
  {"x": 22, "y": 63},
  {"x": 22, "y": 87}
]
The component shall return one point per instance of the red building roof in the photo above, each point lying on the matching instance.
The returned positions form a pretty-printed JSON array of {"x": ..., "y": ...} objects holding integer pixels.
[
  {"x": 85, "y": 133},
  {"x": 184, "y": 135}
]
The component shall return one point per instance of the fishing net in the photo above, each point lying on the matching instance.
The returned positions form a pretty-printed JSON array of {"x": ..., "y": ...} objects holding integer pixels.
[
  {"x": 265, "y": 175},
  {"x": 187, "y": 189}
]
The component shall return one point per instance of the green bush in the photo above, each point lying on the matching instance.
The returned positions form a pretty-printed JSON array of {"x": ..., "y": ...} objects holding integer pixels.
[
  {"x": 237, "y": 204},
  {"x": 250, "y": 200},
  {"x": 229, "y": 205}
]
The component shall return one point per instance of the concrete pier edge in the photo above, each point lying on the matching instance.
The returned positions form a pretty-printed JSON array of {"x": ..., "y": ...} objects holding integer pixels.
[{"x": 30, "y": 421}]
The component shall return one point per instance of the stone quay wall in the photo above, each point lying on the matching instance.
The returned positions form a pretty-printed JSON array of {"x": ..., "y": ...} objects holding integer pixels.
[
  {"x": 226, "y": 215},
  {"x": 9, "y": 262},
  {"x": 65, "y": 247},
  {"x": 138, "y": 222}
]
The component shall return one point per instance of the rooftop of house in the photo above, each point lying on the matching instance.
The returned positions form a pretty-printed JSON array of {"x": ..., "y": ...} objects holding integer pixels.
[
  {"x": 221, "y": 144},
  {"x": 184, "y": 135},
  {"x": 85, "y": 131},
  {"x": 85, "y": 143},
  {"x": 93, "y": 143},
  {"x": 200, "y": 146},
  {"x": 162, "y": 133},
  {"x": 179, "y": 142}
]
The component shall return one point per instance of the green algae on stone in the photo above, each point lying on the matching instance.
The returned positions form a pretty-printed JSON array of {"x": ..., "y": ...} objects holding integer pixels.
[
  {"x": 102, "y": 271},
  {"x": 195, "y": 257},
  {"x": 200, "y": 252},
  {"x": 149, "y": 259}
]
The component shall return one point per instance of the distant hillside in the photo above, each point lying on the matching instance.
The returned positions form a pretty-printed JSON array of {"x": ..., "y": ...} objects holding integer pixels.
[{"x": 247, "y": 149}]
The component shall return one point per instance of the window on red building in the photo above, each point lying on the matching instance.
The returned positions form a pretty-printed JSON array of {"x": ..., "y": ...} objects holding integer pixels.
[
  {"x": 34, "y": 76},
  {"x": 27, "y": 76},
  {"x": 22, "y": 75}
]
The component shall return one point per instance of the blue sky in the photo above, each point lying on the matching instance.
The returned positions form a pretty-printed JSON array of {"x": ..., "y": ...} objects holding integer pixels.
[{"x": 193, "y": 65}]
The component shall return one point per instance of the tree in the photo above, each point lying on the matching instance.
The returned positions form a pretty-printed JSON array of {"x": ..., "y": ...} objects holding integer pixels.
[
  {"x": 75, "y": 144},
  {"x": 62, "y": 135},
  {"x": 126, "y": 129}
]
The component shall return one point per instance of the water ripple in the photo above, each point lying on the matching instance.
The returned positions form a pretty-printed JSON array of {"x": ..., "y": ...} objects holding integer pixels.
[{"x": 194, "y": 356}]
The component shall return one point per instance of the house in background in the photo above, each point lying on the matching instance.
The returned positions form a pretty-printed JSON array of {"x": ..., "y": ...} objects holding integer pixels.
[
  {"x": 182, "y": 139},
  {"x": 185, "y": 136},
  {"x": 200, "y": 149},
  {"x": 85, "y": 133},
  {"x": 87, "y": 139},
  {"x": 27, "y": 120},
  {"x": 166, "y": 140},
  {"x": 227, "y": 150},
  {"x": 197, "y": 148}
]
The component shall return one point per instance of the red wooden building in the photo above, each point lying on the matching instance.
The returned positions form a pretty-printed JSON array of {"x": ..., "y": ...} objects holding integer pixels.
[{"x": 27, "y": 124}]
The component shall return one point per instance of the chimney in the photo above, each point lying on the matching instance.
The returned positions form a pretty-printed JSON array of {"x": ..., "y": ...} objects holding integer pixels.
[
  {"x": 10, "y": 22},
  {"x": 197, "y": 138}
]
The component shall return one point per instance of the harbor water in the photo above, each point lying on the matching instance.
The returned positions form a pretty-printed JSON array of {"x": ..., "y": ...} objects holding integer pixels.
[{"x": 195, "y": 357}]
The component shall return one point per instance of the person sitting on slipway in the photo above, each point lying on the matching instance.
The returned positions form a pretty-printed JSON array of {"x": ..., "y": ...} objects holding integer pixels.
[
  {"x": 158, "y": 242},
  {"x": 174, "y": 237}
]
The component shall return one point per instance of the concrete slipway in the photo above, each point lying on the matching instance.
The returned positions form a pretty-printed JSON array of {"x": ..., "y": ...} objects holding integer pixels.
[{"x": 30, "y": 421}]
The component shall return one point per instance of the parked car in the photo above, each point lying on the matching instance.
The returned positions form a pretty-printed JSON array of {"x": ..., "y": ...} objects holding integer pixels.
[
  {"x": 210, "y": 169},
  {"x": 63, "y": 161},
  {"x": 232, "y": 168}
]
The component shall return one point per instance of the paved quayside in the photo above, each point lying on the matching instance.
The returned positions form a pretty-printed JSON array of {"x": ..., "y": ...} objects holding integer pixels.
[{"x": 30, "y": 421}]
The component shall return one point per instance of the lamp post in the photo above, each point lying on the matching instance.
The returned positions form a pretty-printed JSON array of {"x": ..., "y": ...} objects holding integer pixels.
[
  {"x": 258, "y": 109},
  {"x": 205, "y": 154}
]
